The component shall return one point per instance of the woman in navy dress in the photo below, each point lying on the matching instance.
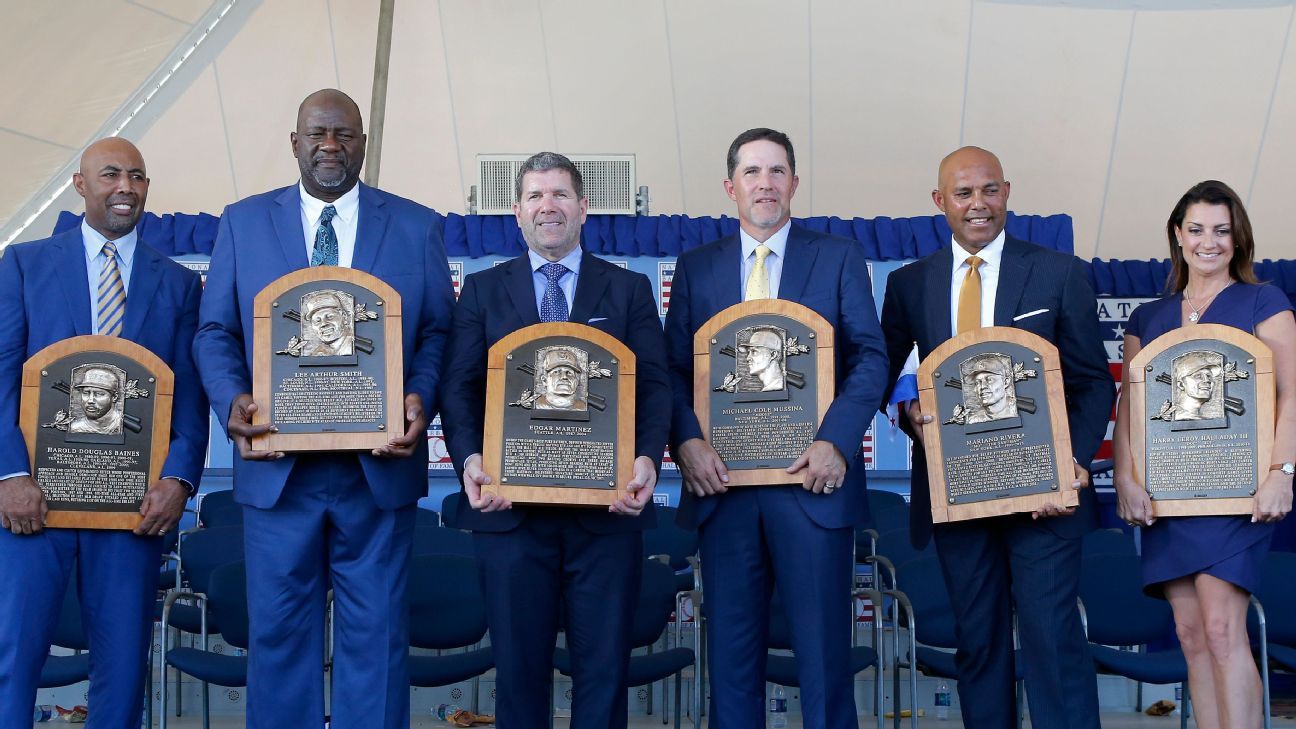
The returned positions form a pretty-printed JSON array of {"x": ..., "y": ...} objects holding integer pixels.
[{"x": 1208, "y": 566}]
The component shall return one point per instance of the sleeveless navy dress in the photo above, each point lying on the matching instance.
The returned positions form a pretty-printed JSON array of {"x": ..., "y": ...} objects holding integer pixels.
[{"x": 1231, "y": 548}]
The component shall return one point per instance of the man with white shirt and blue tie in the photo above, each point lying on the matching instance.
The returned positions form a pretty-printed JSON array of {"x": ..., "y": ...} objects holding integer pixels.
[
  {"x": 98, "y": 278},
  {"x": 798, "y": 535},
  {"x": 537, "y": 560},
  {"x": 986, "y": 277}
]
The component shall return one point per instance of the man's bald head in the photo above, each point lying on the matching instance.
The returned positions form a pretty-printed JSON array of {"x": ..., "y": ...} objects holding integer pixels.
[
  {"x": 114, "y": 183},
  {"x": 329, "y": 144},
  {"x": 973, "y": 194}
]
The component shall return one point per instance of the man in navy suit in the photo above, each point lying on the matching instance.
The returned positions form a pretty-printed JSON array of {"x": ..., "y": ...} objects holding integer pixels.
[
  {"x": 49, "y": 291},
  {"x": 327, "y": 520},
  {"x": 799, "y": 536},
  {"x": 1031, "y": 561},
  {"x": 538, "y": 561}
]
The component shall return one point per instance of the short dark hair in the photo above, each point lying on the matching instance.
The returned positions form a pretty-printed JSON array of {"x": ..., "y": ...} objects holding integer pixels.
[
  {"x": 753, "y": 135},
  {"x": 1212, "y": 192},
  {"x": 545, "y": 161}
]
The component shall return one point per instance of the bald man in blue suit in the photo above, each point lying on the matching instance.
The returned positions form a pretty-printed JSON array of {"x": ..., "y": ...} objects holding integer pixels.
[
  {"x": 46, "y": 293},
  {"x": 799, "y": 536},
  {"x": 329, "y": 520}
]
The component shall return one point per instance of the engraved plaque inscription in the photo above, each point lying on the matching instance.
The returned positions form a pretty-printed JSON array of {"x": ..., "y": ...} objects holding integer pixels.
[
  {"x": 96, "y": 415},
  {"x": 560, "y": 416},
  {"x": 999, "y": 442},
  {"x": 1202, "y": 419},
  {"x": 328, "y": 365},
  {"x": 763, "y": 380}
]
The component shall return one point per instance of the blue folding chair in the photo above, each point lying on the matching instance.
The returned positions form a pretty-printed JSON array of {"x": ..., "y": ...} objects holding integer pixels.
[
  {"x": 447, "y": 613},
  {"x": 68, "y": 633},
  {"x": 226, "y": 598}
]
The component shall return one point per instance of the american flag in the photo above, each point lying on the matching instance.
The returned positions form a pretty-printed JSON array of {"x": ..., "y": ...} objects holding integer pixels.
[
  {"x": 1113, "y": 313},
  {"x": 863, "y": 605},
  {"x": 665, "y": 274},
  {"x": 456, "y": 277},
  {"x": 870, "y": 453}
]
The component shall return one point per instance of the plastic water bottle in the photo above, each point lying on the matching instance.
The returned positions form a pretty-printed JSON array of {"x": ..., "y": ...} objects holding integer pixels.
[
  {"x": 42, "y": 713},
  {"x": 778, "y": 708},
  {"x": 942, "y": 700},
  {"x": 445, "y": 711}
]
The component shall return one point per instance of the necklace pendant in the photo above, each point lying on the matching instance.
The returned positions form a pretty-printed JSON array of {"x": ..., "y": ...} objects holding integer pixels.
[{"x": 1193, "y": 317}]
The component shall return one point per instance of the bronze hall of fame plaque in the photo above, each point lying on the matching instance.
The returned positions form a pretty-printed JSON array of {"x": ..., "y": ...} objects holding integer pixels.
[
  {"x": 999, "y": 441},
  {"x": 762, "y": 383},
  {"x": 1202, "y": 419},
  {"x": 327, "y": 367},
  {"x": 560, "y": 416},
  {"x": 96, "y": 414}
]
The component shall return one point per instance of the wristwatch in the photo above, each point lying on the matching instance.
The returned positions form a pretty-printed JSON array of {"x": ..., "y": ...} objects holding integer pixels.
[{"x": 1287, "y": 468}]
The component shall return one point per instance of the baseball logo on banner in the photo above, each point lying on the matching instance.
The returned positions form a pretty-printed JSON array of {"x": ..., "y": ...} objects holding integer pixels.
[
  {"x": 438, "y": 454},
  {"x": 456, "y": 277}
]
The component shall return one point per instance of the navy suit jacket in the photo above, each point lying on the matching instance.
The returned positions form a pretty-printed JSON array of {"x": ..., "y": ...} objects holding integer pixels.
[
  {"x": 500, "y": 300},
  {"x": 916, "y": 310},
  {"x": 260, "y": 239},
  {"x": 45, "y": 297},
  {"x": 827, "y": 274}
]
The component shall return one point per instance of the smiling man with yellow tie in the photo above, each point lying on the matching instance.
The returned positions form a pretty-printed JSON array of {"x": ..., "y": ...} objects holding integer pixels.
[
  {"x": 988, "y": 278},
  {"x": 800, "y": 534}
]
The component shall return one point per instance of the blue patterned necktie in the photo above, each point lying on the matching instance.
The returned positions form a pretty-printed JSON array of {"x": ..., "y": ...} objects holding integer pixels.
[
  {"x": 111, "y": 301},
  {"x": 326, "y": 244},
  {"x": 553, "y": 306}
]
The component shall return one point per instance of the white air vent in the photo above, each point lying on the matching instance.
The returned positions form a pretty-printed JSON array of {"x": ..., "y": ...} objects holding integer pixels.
[{"x": 609, "y": 182}]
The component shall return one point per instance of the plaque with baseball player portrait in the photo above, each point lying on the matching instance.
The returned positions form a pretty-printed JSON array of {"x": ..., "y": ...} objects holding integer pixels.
[
  {"x": 1201, "y": 419},
  {"x": 998, "y": 442},
  {"x": 560, "y": 416},
  {"x": 96, "y": 415},
  {"x": 762, "y": 382},
  {"x": 327, "y": 367}
]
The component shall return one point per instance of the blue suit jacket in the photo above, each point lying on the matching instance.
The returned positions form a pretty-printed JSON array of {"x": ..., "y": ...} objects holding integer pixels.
[
  {"x": 44, "y": 293},
  {"x": 500, "y": 300},
  {"x": 916, "y": 310},
  {"x": 260, "y": 239},
  {"x": 827, "y": 274}
]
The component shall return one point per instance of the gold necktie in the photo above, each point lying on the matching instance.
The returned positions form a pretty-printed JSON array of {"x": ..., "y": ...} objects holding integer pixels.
[
  {"x": 758, "y": 279},
  {"x": 969, "y": 309}
]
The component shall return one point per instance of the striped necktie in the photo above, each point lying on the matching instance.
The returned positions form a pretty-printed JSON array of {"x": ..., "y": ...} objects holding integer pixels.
[{"x": 111, "y": 302}]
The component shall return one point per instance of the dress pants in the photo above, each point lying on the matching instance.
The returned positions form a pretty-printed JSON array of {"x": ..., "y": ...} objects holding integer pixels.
[
  {"x": 759, "y": 537},
  {"x": 326, "y": 532},
  {"x": 117, "y": 578}
]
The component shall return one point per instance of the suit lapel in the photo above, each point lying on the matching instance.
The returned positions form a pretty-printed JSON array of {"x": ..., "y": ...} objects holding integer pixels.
[
  {"x": 726, "y": 270},
  {"x": 939, "y": 274},
  {"x": 370, "y": 229},
  {"x": 1014, "y": 270},
  {"x": 517, "y": 282},
  {"x": 75, "y": 288},
  {"x": 590, "y": 286},
  {"x": 143, "y": 287},
  {"x": 288, "y": 227},
  {"x": 798, "y": 261}
]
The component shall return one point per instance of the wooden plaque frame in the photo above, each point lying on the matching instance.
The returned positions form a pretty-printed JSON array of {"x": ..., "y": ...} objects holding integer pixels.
[
  {"x": 263, "y": 353},
  {"x": 1264, "y": 404},
  {"x": 1065, "y": 495},
  {"x": 825, "y": 370},
  {"x": 496, "y": 404},
  {"x": 162, "y": 390}
]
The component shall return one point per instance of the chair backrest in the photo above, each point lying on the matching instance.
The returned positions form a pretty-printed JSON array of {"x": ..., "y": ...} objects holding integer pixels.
[
  {"x": 1108, "y": 541},
  {"x": 880, "y": 500},
  {"x": 227, "y": 599},
  {"x": 670, "y": 539},
  {"x": 1116, "y": 610},
  {"x": 922, "y": 581},
  {"x": 430, "y": 540},
  {"x": 450, "y": 508},
  {"x": 894, "y": 544},
  {"x": 218, "y": 508},
  {"x": 1277, "y": 594},
  {"x": 446, "y": 604},
  {"x": 426, "y": 518},
  {"x": 69, "y": 632},
  {"x": 656, "y": 603},
  {"x": 203, "y": 550}
]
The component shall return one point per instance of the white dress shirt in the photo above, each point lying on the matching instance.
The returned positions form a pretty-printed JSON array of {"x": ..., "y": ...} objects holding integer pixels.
[
  {"x": 991, "y": 256},
  {"x": 344, "y": 223},
  {"x": 777, "y": 244}
]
